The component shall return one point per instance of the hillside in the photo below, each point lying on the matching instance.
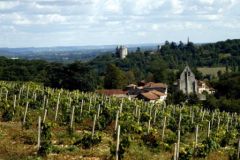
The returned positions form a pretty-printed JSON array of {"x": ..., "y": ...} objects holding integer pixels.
[{"x": 76, "y": 125}]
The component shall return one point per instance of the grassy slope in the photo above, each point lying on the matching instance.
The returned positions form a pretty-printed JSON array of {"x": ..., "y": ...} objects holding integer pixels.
[
  {"x": 15, "y": 144},
  {"x": 211, "y": 70}
]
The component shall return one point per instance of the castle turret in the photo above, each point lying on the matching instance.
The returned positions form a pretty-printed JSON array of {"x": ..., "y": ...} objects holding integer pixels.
[{"x": 121, "y": 52}]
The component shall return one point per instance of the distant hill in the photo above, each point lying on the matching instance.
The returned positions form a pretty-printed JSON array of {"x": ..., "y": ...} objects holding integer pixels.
[{"x": 66, "y": 54}]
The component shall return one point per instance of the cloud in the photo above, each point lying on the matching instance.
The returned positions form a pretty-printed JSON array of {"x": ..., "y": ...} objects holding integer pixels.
[
  {"x": 141, "y": 7},
  {"x": 207, "y": 2},
  {"x": 50, "y": 18},
  {"x": 113, "y": 21},
  {"x": 113, "y": 6},
  {"x": 5, "y": 5},
  {"x": 177, "y": 6}
]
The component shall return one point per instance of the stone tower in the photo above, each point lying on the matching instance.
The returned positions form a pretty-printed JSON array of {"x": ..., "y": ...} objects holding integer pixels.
[
  {"x": 187, "y": 82},
  {"x": 121, "y": 52}
]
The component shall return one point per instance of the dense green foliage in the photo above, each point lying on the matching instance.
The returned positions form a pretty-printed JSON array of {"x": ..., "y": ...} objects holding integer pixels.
[
  {"x": 212, "y": 54},
  {"x": 227, "y": 96},
  {"x": 156, "y": 66}
]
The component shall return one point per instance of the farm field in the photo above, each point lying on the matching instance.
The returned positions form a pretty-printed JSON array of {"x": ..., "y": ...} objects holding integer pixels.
[
  {"x": 211, "y": 70},
  {"x": 45, "y": 123}
]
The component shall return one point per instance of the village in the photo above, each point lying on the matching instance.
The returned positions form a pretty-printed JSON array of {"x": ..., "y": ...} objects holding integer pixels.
[{"x": 157, "y": 92}]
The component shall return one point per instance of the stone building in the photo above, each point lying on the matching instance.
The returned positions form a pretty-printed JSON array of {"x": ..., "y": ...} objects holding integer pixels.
[
  {"x": 121, "y": 52},
  {"x": 187, "y": 82}
]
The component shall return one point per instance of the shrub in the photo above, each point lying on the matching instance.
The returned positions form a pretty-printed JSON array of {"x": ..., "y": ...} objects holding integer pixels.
[
  {"x": 186, "y": 154},
  {"x": 150, "y": 140},
  {"x": 208, "y": 146},
  {"x": 7, "y": 115},
  {"x": 88, "y": 141},
  {"x": 170, "y": 137},
  {"x": 123, "y": 146}
]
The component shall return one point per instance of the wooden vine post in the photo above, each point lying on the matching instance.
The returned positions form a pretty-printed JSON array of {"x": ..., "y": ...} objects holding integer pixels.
[
  {"x": 116, "y": 121},
  {"x": 0, "y": 94},
  {"x": 57, "y": 106},
  {"x": 35, "y": 96},
  {"x": 164, "y": 126},
  {"x": 45, "y": 115},
  {"x": 196, "y": 136},
  {"x": 27, "y": 91},
  {"x": 90, "y": 103},
  {"x": 139, "y": 115},
  {"x": 14, "y": 102},
  {"x": 121, "y": 106},
  {"x": 98, "y": 111},
  {"x": 6, "y": 96},
  {"x": 118, "y": 142},
  {"x": 72, "y": 117},
  {"x": 46, "y": 105},
  {"x": 212, "y": 120},
  {"x": 44, "y": 101},
  {"x": 192, "y": 118},
  {"x": 39, "y": 132},
  {"x": 149, "y": 126},
  {"x": 238, "y": 150},
  {"x": 155, "y": 115},
  {"x": 175, "y": 152},
  {"x": 94, "y": 123},
  {"x": 227, "y": 126},
  {"x": 81, "y": 108},
  {"x": 180, "y": 119},
  {"x": 178, "y": 144},
  {"x": 25, "y": 113},
  {"x": 218, "y": 124},
  {"x": 209, "y": 129}
]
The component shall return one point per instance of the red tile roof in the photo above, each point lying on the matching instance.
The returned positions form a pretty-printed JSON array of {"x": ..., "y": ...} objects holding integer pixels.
[
  {"x": 152, "y": 95},
  {"x": 154, "y": 85},
  {"x": 158, "y": 93},
  {"x": 110, "y": 92}
]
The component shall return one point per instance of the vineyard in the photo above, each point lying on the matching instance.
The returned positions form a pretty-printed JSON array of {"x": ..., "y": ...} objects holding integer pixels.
[{"x": 44, "y": 123}]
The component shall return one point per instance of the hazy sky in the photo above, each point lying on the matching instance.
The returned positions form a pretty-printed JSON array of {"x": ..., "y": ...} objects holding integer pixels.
[{"x": 26, "y": 23}]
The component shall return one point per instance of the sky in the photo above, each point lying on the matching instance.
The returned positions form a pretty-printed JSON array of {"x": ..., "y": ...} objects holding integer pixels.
[{"x": 44, "y": 23}]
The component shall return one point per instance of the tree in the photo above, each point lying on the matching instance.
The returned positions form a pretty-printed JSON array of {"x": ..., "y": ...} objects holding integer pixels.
[
  {"x": 114, "y": 78},
  {"x": 158, "y": 69},
  {"x": 80, "y": 76},
  {"x": 77, "y": 75},
  {"x": 176, "y": 98},
  {"x": 55, "y": 72},
  {"x": 130, "y": 77},
  {"x": 192, "y": 99}
]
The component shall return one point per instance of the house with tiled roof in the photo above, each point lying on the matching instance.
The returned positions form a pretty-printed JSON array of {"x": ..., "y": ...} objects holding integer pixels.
[
  {"x": 152, "y": 96},
  {"x": 152, "y": 92},
  {"x": 161, "y": 87},
  {"x": 204, "y": 87}
]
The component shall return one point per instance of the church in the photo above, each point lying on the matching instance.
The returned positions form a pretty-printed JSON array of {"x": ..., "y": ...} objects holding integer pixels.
[{"x": 187, "y": 82}]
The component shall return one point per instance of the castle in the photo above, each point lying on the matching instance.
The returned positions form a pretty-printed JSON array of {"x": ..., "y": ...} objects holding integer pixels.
[{"x": 121, "y": 52}]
